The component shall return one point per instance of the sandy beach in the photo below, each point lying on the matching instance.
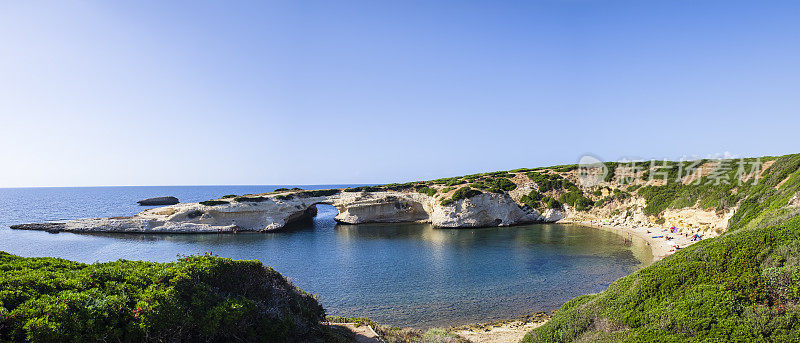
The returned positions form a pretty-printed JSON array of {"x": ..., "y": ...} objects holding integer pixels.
[{"x": 662, "y": 242}]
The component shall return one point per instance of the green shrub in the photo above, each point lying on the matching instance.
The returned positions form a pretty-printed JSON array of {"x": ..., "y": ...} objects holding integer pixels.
[
  {"x": 450, "y": 181},
  {"x": 319, "y": 193},
  {"x": 401, "y": 186},
  {"x": 566, "y": 168},
  {"x": 427, "y": 191},
  {"x": 499, "y": 185},
  {"x": 552, "y": 203},
  {"x": 228, "y": 196},
  {"x": 612, "y": 169},
  {"x": 281, "y": 190},
  {"x": 465, "y": 193},
  {"x": 365, "y": 189},
  {"x": 532, "y": 199},
  {"x": 576, "y": 200},
  {"x": 213, "y": 202},
  {"x": 250, "y": 199},
  {"x": 461, "y": 193},
  {"x": 284, "y": 197},
  {"x": 197, "y": 298}
]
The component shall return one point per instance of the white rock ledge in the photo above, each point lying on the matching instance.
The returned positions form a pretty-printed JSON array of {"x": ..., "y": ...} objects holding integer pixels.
[{"x": 276, "y": 211}]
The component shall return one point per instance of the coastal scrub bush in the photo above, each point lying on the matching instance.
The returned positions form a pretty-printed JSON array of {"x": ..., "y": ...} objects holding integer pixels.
[
  {"x": 461, "y": 193},
  {"x": 365, "y": 189},
  {"x": 464, "y": 193},
  {"x": 602, "y": 202},
  {"x": 250, "y": 199},
  {"x": 228, "y": 196},
  {"x": 195, "y": 299},
  {"x": 450, "y": 181},
  {"x": 427, "y": 191},
  {"x": 504, "y": 174},
  {"x": 612, "y": 169},
  {"x": 565, "y": 168},
  {"x": 552, "y": 203},
  {"x": 281, "y": 190},
  {"x": 576, "y": 200},
  {"x": 319, "y": 193},
  {"x": 546, "y": 182},
  {"x": 284, "y": 197},
  {"x": 213, "y": 202},
  {"x": 532, "y": 199},
  {"x": 499, "y": 185},
  {"x": 401, "y": 186}
]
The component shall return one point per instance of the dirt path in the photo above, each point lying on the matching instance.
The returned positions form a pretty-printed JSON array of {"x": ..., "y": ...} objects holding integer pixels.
[
  {"x": 512, "y": 331},
  {"x": 363, "y": 334}
]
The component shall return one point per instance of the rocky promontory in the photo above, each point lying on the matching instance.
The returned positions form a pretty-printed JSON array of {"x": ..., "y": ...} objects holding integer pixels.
[
  {"x": 623, "y": 195},
  {"x": 273, "y": 211}
]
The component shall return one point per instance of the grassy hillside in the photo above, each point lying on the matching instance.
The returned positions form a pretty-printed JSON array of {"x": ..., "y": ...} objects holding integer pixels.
[
  {"x": 741, "y": 286},
  {"x": 198, "y": 298}
]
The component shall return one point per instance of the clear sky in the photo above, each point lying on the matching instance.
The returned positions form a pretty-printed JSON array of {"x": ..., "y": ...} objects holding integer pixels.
[{"x": 306, "y": 92}]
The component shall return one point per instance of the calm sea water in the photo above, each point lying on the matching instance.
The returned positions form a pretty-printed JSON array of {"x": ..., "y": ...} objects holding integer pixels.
[{"x": 398, "y": 274}]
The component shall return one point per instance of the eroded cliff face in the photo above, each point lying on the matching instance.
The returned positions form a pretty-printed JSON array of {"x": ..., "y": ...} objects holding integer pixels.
[{"x": 276, "y": 211}]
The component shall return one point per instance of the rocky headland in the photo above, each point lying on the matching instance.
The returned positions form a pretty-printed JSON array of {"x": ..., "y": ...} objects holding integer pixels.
[{"x": 623, "y": 198}]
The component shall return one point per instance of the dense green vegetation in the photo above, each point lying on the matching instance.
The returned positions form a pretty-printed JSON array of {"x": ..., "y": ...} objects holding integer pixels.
[
  {"x": 547, "y": 182},
  {"x": 319, "y": 193},
  {"x": 365, "y": 189},
  {"x": 577, "y": 200},
  {"x": 495, "y": 185},
  {"x": 214, "y": 202},
  {"x": 738, "y": 287},
  {"x": 197, "y": 298},
  {"x": 741, "y": 286},
  {"x": 532, "y": 199},
  {"x": 451, "y": 181},
  {"x": 250, "y": 199},
  {"x": 551, "y": 203},
  {"x": 707, "y": 192},
  {"x": 427, "y": 191},
  {"x": 461, "y": 193}
]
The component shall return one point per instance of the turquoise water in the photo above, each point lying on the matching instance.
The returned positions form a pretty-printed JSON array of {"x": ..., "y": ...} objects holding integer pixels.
[{"x": 398, "y": 274}]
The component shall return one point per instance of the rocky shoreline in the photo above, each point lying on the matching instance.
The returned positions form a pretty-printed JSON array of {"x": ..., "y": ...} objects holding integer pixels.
[{"x": 277, "y": 210}]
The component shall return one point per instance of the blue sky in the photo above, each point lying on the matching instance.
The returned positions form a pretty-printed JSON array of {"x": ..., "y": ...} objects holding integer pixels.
[{"x": 306, "y": 92}]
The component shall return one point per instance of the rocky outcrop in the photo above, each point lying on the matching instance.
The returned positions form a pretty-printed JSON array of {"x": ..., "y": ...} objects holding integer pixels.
[
  {"x": 268, "y": 212},
  {"x": 158, "y": 201}
]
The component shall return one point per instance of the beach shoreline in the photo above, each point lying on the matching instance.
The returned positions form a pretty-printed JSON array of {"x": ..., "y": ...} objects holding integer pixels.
[{"x": 661, "y": 241}]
